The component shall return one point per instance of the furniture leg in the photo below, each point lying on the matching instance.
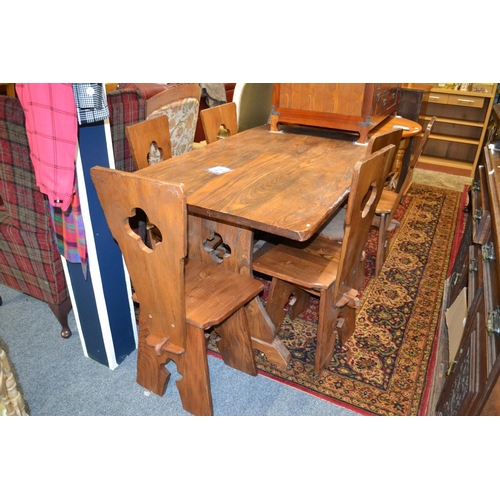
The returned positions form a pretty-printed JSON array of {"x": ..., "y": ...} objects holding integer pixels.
[
  {"x": 300, "y": 304},
  {"x": 346, "y": 324},
  {"x": 279, "y": 294},
  {"x": 239, "y": 242},
  {"x": 382, "y": 241},
  {"x": 151, "y": 372},
  {"x": 273, "y": 124},
  {"x": 61, "y": 312},
  {"x": 325, "y": 341},
  {"x": 194, "y": 387},
  {"x": 235, "y": 345}
]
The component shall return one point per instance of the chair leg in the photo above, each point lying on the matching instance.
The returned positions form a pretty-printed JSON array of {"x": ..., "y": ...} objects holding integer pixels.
[
  {"x": 151, "y": 372},
  {"x": 326, "y": 336},
  {"x": 279, "y": 294},
  {"x": 194, "y": 387},
  {"x": 300, "y": 304},
  {"x": 347, "y": 321},
  {"x": 235, "y": 343},
  {"x": 192, "y": 364},
  {"x": 61, "y": 312},
  {"x": 382, "y": 242}
]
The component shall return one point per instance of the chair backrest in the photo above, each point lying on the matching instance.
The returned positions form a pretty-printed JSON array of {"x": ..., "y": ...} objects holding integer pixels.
[
  {"x": 417, "y": 151},
  {"x": 416, "y": 156},
  {"x": 253, "y": 104},
  {"x": 366, "y": 188},
  {"x": 157, "y": 273},
  {"x": 149, "y": 141},
  {"x": 212, "y": 119},
  {"x": 379, "y": 141},
  {"x": 181, "y": 104}
]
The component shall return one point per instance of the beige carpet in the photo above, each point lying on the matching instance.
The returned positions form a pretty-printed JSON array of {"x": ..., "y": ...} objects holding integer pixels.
[{"x": 439, "y": 179}]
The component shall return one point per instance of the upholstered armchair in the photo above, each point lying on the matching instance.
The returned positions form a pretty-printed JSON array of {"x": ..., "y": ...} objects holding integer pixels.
[{"x": 29, "y": 258}]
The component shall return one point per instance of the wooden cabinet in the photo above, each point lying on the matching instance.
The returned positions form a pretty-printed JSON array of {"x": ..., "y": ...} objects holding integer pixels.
[
  {"x": 472, "y": 385},
  {"x": 462, "y": 117},
  {"x": 353, "y": 107}
]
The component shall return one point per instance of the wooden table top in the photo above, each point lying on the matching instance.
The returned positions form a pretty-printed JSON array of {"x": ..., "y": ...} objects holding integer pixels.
[
  {"x": 282, "y": 183},
  {"x": 410, "y": 128}
]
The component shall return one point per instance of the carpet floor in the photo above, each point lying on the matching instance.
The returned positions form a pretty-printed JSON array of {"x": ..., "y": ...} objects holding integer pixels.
[{"x": 384, "y": 368}]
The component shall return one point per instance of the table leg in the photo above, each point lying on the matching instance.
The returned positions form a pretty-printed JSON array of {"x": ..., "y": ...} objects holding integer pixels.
[
  {"x": 398, "y": 163},
  {"x": 231, "y": 247}
]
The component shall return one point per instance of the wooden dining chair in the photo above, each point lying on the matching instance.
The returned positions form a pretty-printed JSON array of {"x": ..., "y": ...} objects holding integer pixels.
[
  {"x": 327, "y": 268},
  {"x": 179, "y": 298},
  {"x": 149, "y": 141},
  {"x": 334, "y": 228},
  {"x": 181, "y": 104},
  {"x": 253, "y": 104},
  {"x": 390, "y": 201},
  {"x": 219, "y": 118}
]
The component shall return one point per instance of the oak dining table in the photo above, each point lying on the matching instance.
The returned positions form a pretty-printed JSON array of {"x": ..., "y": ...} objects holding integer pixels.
[{"x": 286, "y": 184}]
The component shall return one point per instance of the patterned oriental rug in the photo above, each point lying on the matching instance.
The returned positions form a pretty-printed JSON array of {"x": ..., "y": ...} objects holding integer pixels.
[{"x": 385, "y": 368}]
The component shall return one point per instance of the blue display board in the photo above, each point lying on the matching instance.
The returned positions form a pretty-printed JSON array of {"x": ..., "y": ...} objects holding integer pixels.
[{"x": 102, "y": 302}]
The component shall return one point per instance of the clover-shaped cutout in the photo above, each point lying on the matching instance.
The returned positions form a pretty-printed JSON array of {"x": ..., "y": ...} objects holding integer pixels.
[
  {"x": 151, "y": 234},
  {"x": 155, "y": 154},
  {"x": 217, "y": 249}
]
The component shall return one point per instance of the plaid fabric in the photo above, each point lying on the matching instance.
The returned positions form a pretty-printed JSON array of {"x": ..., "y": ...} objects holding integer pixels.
[
  {"x": 29, "y": 259},
  {"x": 26, "y": 206},
  {"x": 70, "y": 232},
  {"x": 30, "y": 262},
  {"x": 51, "y": 127},
  {"x": 126, "y": 107}
]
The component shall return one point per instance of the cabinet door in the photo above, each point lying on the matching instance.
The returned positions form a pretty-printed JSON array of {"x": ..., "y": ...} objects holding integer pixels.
[
  {"x": 464, "y": 383},
  {"x": 461, "y": 266},
  {"x": 481, "y": 212}
]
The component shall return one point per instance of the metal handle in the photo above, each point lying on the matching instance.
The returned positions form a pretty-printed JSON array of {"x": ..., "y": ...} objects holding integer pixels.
[{"x": 493, "y": 322}]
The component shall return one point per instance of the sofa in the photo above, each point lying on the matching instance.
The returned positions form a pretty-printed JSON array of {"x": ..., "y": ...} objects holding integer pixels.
[{"x": 29, "y": 258}]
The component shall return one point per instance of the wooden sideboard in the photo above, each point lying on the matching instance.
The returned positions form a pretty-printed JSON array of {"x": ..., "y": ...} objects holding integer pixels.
[
  {"x": 353, "y": 107},
  {"x": 471, "y": 384}
]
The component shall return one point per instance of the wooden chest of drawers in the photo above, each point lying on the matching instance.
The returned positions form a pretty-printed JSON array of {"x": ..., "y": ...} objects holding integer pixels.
[{"x": 353, "y": 107}]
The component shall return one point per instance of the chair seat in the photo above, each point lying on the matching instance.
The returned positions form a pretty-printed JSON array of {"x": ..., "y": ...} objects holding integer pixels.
[
  {"x": 204, "y": 308},
  {"x": 313, "y": 266}
]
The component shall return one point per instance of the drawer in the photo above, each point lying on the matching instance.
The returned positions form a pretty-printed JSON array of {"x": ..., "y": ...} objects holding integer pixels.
[
  {"x": 471, "y": 102},
  {"x": 436, "y": 98},
  {"x": 386, "y": 100}
]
